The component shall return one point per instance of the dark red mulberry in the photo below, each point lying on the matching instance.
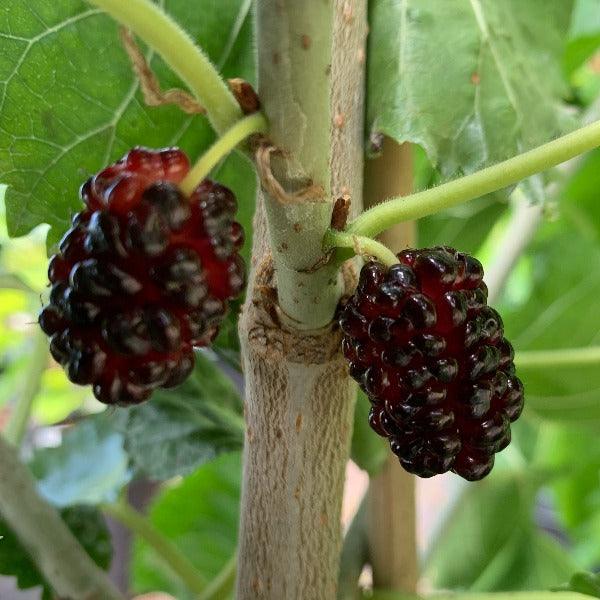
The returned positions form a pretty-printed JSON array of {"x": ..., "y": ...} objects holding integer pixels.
[
  {"x": 430, "y": 354},
  {"x": 143, "y": 275}
]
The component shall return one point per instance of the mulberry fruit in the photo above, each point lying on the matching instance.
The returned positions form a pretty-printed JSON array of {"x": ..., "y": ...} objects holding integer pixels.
[
  {"x": 432, "y": 358},
  {"x": 143, "y": 275}
]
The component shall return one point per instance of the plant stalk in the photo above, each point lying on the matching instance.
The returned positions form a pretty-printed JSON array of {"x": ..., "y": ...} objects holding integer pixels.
[
  {"x": 52, "y": 546},
  {"x": 178, "y": 50},
  {"x": 38, "y": 362},
  {"x": 526, "y": 218},
  {"x": 221, "y": 587},
  {"x": 164, "y": 548},
  {"x": 364, "y": 246},
  {"x": 565, "y": 357},
  {"x": 391, "y": 503},
  {"x": 299, "y": 399}
]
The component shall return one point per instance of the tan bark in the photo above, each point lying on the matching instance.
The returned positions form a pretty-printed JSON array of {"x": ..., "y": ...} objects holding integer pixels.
[
  {"x": 299, "y": 399},
  {"x": 391, "y": 512}
]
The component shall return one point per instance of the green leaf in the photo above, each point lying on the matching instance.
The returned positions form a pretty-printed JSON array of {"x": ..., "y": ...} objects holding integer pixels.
[
  {"x": 89, "y": 467},
  {"x": 584, "y": 36},
  {"x": 10, "y": 281},
  {"x": 585, "y": 583},
  {"x": 369, "y": 451},
  {"x": 65, "y": 64},
  {"x": 489, "y": 542},
  {"x": 473, "y": 82},
  {"x": 85, "y": 522},
  {"x": 200, "y": 516},
  {"x": 559, "y": 312},
  {"x": 573, "y": 451},
  {"x": 180, "y": 429}
]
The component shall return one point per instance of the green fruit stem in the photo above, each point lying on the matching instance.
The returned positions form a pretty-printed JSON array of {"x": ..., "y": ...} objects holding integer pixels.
[
  {"x": 178, "y": 50},
  {"x": 362, "y": 246},
  {"x": 491, "y": 179},
  {"x": 255, "y": 123}
]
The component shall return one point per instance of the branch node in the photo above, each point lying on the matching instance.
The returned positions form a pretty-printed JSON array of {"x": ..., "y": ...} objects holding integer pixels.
[
  {"x": 245, "y": 94},
  {"x": 339, "y": 215}
]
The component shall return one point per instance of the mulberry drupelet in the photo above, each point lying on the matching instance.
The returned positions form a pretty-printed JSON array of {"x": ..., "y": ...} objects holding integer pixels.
[
  {"x": 431, "y": 355},
  {"x": 143, "y": 275}
]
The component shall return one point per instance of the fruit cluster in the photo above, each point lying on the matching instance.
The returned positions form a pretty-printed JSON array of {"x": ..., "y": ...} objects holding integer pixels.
[
  {"x": 432, "y": 358},
  {"x": 143, "y": 275}
]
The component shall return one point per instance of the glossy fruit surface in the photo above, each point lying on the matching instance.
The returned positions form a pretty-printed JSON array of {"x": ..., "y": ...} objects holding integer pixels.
[
  {"x": 143, "y": 275},
  {"x": 432, "y": 357}
]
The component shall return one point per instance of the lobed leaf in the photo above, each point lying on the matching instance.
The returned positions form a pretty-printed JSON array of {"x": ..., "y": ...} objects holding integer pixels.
[
  {"x": 89, "y": 467},
  {"x": 181, "y": 429},
  {"x": 64, "y": 62},
  {"x": 489, "y": 541},
  {"x": 473, "y": 82},
  {"x": 200, "y": 516}
]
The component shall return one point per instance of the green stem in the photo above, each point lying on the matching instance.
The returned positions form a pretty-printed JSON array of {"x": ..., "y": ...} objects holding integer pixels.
[
  {"x": 355, "y": 554},
  {"x": 491, "y": 179},
  {"x": 567, "y": 357},
  {"x": 137, "y": 523},
  {"x": 16, "y": 427},
  {"x": 221, "y": 586},
  {"x": 51, "y": 545},
  {"x": 255, "y": 123},
  {"x": 178, "y": 50},
  {"x": 361, "y": 245}
]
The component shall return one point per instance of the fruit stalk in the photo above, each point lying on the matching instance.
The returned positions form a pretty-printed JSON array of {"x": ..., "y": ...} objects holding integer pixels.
[
  {"x": 54, "y": 549},
  {"x": 473, "y": 186},
  {"x": 299, "y": 400},
  {"x": 225, "y": 144}
]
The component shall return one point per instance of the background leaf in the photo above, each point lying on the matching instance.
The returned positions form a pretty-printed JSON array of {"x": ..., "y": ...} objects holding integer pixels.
[
  {"x": 487, "y": 56},
  {"x": 89, "y": 467},
  {"x": 181, "y": 429},
  {"x": 584, "y": 35},
  {"x": 574, "y": 452},
  {"x": 557, "y": 309},
  {"x": 538, "y": 595},
  {"x": 490, "y": 543},
  {"x": 200, "y": 515},
  {"x": 585, "y": 583}
]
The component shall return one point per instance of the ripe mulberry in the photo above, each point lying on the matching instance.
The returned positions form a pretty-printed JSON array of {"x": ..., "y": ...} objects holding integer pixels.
[
  {"x": 142, "y": 276},
  {"x": 431, "y": 355}
]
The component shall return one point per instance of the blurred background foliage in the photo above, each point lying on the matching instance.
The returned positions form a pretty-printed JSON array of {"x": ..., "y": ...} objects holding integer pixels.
[{"x": 532, "y": 524}]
